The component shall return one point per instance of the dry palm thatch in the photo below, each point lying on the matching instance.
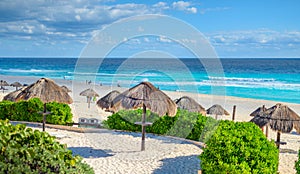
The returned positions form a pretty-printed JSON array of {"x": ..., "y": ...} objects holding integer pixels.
[
  {"x": 145, "y": 95},
  {"x": 216, "y": 110},
  {"x": 13, "y": 95},
  {"x": 283, "y": 119},
  {"x": 280, "y": 118},
  {"x": 106, "y": 101},
  {"x": 259, "y": 111},
  {"x": 190, "y": 104},
  {"x": 66, "y": 89},
  {"x": 16, "y": 84},
  {"x": 46, "y": 90},
  {"x": 89, "y": 93}
]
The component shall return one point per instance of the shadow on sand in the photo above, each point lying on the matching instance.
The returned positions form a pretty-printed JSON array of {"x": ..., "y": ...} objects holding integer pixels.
[
  {"x": 182, "y": 164},
  {"x": 88, "y": 152}
]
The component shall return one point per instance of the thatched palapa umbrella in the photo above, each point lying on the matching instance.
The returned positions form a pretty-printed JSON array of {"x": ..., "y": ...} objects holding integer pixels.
[
  {"x": 106, "y": 101},
  {"x": 145, "y": 95},
  {"x": 216, "y": 110},
  {"x": 47, "y": 91},
  {"x": 16, "y": 84},
  {"x": 2, "y": 84},
  {"x": 190, "y": 104},
  {"x": 280, "y": 118},
  {"x": 89, "y": 93}
]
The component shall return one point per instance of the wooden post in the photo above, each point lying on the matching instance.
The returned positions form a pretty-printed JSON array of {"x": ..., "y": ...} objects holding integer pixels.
[
  {"x": 143, "y": 127},
  {"x": 233, "y": 112},
  {"x": 89, "y": 101},
  {"x": 278, "y": 139},
  {"x": 267, "y": 130},
  {"x": 44, "y": 117}
]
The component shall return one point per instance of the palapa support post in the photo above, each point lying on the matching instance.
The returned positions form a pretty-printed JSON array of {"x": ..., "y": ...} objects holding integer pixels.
[
  {"x": 267, "y": 131},
  {"x": 44, "y": 117},
  {"x": 233, "y": 112},
  {"x": 143, "y": 128},
  {"x": 89, "y": 101},
  {"x": 44, "y": 113},
  {"x": 278, "y": 139}
]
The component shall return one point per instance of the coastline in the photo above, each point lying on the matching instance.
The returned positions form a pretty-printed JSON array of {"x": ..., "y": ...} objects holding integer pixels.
[
  {"x": 244, "y": 106},
  {"x": 125, "y": 145}
]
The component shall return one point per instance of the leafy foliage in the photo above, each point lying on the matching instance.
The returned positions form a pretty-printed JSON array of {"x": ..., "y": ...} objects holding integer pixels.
[
  {"x": 239, "y": 148},
  {"x": 297, "y": 163},
  {"x": 185, "y": 124},
  {"x": 26, "y": 151},
  {"x": 29, "y": 111}
]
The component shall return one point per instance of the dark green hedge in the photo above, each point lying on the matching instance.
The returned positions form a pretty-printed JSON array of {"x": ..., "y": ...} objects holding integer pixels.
[
  {"x": 26, "y": 151},
  {"x": 185, "y": 124},
  {"x": 29, "y": 111},
  {"x": 239, "y": 147},
  {"x": 297, "y": 163}
]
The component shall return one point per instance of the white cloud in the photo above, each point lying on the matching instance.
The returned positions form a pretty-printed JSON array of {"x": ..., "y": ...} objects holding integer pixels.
[
  {"x": 161, "y": 6},
  {"x": 184, "y": 6}
]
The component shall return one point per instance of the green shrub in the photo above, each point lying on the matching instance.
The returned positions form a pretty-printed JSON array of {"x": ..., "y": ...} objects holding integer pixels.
[
  {"x": 6, "y": 109},
  {"x": 239, "y": 148},
  {"x": 60, "y": 113},
  {"x": 26, "y": 151},
  {"x": 184, "y": 124},
  {"x": 297, "y": 163},
  {"x": 30, "y": 111}
]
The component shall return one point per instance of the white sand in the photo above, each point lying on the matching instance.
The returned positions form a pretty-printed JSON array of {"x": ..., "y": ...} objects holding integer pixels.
[{"x": 116, "y": 152}]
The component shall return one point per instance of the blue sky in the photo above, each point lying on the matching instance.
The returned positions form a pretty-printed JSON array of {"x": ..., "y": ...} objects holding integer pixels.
[{"x": 48, "y": 28}]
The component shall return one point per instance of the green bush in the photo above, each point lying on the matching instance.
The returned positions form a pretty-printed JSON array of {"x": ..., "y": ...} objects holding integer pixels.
[
  {"x": 26, "y": 151},
  {"x": 184, "y": 124},
  {"x": 60, "y": 113},
  {"x": 30, "y": 111},
  {"x": 297, "y": 163},
  {"x": 239, "y": 148}
]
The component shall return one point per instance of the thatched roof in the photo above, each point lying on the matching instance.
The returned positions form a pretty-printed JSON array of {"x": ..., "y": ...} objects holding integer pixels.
[
  {"x": 258, "y": 111},
  {"x": 283, "y": 119},
  {"x": 216, "y": 110},
  {"x": 3, "y": 83},
  {"x": 66, "y": 89},
  {"x": 16, "y": 84},
  {"x": 106, "y": 101},
  {"x": 154, "y": 99},
  {"x": 89, "y": 93},
  {"x": 45, "y": 89},
  {"x": 280, "y": 118},
  {"x": 261, "y": 121},
  {"x": 13, "y": 95},
  {"x": 190, "y": 104}
]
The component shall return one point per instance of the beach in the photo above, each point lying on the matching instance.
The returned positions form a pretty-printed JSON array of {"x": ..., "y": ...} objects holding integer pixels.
[{"x": 109, "y": 151}]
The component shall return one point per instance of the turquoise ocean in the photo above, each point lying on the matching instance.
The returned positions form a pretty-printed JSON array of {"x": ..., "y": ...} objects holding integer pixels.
[{"x": 259, "y": 78}]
